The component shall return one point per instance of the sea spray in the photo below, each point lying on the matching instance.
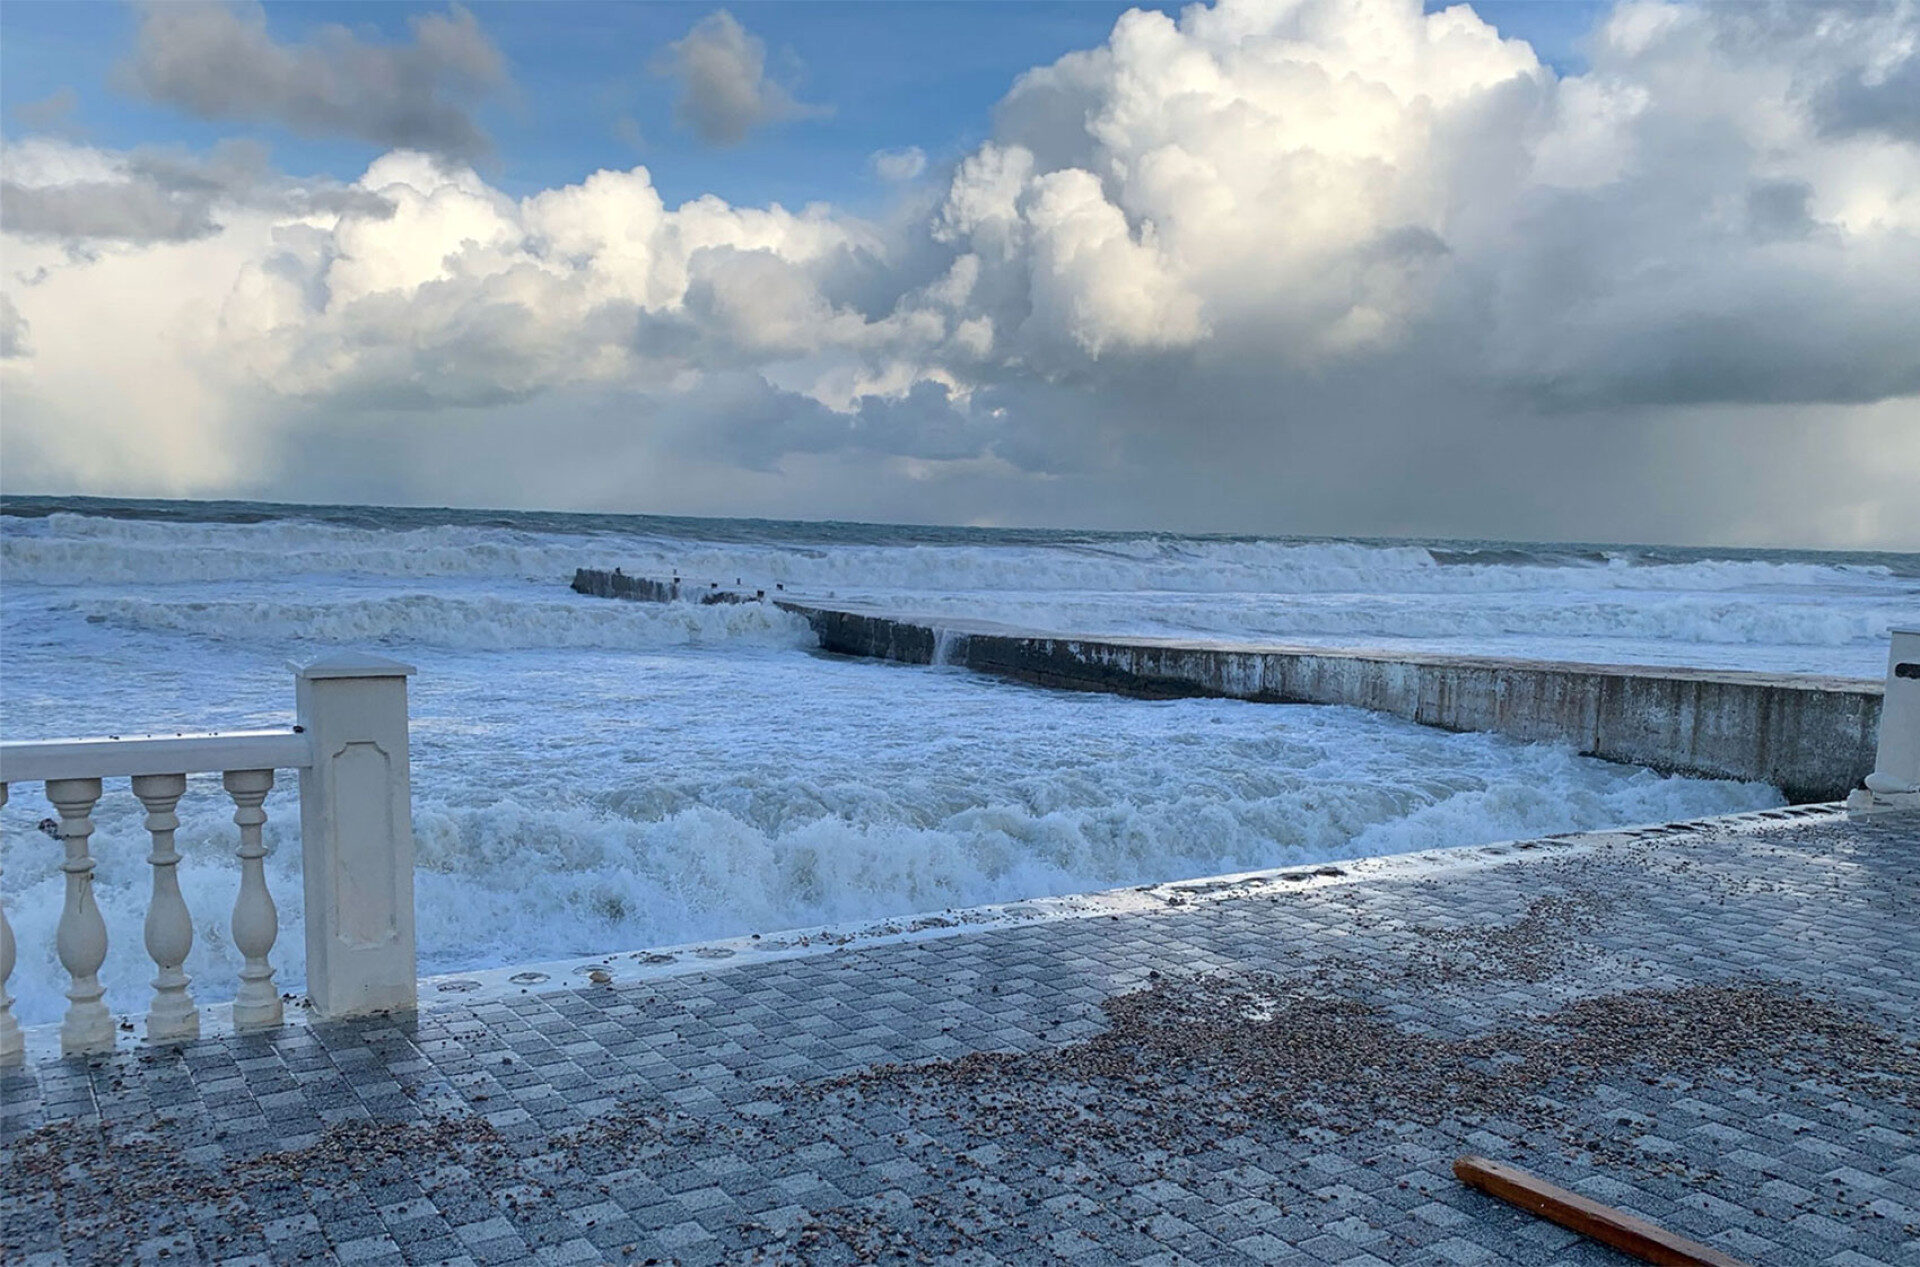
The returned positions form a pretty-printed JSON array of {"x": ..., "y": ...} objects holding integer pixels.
[
  {"x": 690, "y": 823},
  {"x": 592, "y": 775},
  {"x": 949, "y": 648},
  {"x": 1796, "y": 612},
  {"x": 536, "y": 621}
]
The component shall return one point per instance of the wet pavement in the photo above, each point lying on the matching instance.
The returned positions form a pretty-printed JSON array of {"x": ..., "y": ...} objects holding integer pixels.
[{"x": 1714, "y": 1025}]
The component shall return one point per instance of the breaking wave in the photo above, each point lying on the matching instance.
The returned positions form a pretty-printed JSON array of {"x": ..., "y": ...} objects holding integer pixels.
[
  {"x": 462, "y": 622},
  {"x": 594, "y": 775},
  {"x": 623, "y": 862},
  {"x": 72, "y": 549},
  {"x": 68, "y": 549},
  {"x": 1454, "y": 621}
]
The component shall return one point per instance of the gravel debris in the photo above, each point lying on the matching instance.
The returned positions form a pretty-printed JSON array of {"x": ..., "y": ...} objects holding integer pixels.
[{"x": 1736, "y": 1057}]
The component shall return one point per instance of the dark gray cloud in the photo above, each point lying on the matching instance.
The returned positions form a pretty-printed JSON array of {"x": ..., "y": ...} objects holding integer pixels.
[
  {"x": 621, "y": 450},
  {"x": 725, "y": 90},
  {"x": 150, "y": 196},
  {"x": 1886, "y": 101},
  {"x": 1642, "y": 293},
  {"x": 217, "y": 61},
  {"x": 127, "y": 211},
  {"x": 742, "y": 419},
  {"x": 1780, "y": 209},
  {"x": 52, "y": 113},
  {"x": 13, "y": 331},
  {"x": 1195, "y": 453},
  {"x": 1855, "y": 66}
]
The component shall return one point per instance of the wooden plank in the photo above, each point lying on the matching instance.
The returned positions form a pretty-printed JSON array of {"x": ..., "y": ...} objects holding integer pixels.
[{"x": 1646, "y": 1241}]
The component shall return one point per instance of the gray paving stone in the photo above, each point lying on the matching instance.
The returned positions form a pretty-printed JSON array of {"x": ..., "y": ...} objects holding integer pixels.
[{"x": 697, "y": 1118}]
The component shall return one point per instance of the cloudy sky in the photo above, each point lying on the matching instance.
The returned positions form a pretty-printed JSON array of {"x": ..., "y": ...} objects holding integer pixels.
[{"x": 1643, "y": 271}]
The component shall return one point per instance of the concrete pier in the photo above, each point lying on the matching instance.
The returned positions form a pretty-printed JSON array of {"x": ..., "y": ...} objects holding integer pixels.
[{"x": 1812, "y": 737}]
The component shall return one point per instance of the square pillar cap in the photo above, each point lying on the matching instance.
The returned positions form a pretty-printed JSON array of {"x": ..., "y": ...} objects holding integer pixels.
[
  {"x": 1905, "y": 629},
  {"x": 351, "y": 664}
]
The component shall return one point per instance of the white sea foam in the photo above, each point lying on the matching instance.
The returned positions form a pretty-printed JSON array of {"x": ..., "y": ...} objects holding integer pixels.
[
  {"x": 68, "y": 549},
  {"x": 478, "y": 622},
  {"x": 643, "y": 843},
  {"x": 1454, "y": 620},
  {"x": 592, "y": 775},
  {"x": 485, "y": 585}
]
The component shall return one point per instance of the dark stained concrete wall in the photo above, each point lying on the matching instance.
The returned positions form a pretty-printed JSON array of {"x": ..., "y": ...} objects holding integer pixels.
[{"x": 1812, "y": 737}]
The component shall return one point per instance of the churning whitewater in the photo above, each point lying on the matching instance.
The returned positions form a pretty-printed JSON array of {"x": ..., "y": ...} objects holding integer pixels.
[{"x": 593, "y": 776}]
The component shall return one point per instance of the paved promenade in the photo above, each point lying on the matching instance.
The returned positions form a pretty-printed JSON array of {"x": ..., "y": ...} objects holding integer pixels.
[{"x": 1715, "y": 1025}]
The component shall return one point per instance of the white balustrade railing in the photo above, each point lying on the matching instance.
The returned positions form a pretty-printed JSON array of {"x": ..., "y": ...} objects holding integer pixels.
[{"x": 350, "y": 747}]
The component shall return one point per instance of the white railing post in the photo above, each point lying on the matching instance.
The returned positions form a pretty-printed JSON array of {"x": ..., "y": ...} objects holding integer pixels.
[
  {"x": 356, "y": 835},
  {"x": 81, "y": 939},
  {"x": 256, "y": 922},
  {"x": 171, "y": 1017},
  {"x": 13, "y": 1048},
  {"x": 1895, "y": 781}
]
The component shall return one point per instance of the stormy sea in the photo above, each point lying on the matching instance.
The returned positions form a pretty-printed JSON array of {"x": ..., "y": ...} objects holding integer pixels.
[{"x": 592, "y": 776}]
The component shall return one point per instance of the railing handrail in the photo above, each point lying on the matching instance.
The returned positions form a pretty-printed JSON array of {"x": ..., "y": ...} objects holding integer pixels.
[
  {"x": 349, "y": 743},
  {"x": 34, "y": 760}
]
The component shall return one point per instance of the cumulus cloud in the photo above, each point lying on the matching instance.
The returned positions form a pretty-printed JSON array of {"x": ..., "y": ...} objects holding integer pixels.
[
  {"x": 1274, "y": 181},
  {"x": 217, "y": 60},
  {"x": 1191, "y": 274},
  {"x": 725, "y": 90},
  {"x": 1318, "y": 182},
  {"x": 1659, "y": 255},
  {"x": 422, "y": 286}
]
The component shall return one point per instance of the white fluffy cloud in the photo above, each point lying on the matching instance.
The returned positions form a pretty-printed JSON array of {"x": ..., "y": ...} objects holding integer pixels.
[
  {"x": 1316, "y": 180},
  {"x": 1182, "y": 261},
  {"x": 420, "y": 287}
]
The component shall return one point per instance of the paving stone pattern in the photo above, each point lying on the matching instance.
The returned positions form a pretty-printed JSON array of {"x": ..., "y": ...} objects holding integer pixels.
[{"x": 1714, "y": 1027}]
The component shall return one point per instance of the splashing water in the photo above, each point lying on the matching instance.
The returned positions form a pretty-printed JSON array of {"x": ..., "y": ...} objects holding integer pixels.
[{"x": 592, "y": 776}]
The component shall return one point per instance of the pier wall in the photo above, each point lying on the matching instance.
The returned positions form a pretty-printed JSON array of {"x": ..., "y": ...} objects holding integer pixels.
[{"x": 1812, "y": 737}]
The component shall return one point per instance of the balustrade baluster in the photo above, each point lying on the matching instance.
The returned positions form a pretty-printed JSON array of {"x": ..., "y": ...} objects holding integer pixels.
[
  {"x": 12, "y": 1047},
  {"x": 82, "y": 936},
  {"x": 256, "y": 923},
  {"x": 172, "y": 1016}
]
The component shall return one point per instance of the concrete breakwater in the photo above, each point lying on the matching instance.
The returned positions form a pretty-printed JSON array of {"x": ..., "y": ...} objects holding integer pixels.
[
  {"x": 640, "y": 589},
  {"x": 1813, "y": 737}
]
